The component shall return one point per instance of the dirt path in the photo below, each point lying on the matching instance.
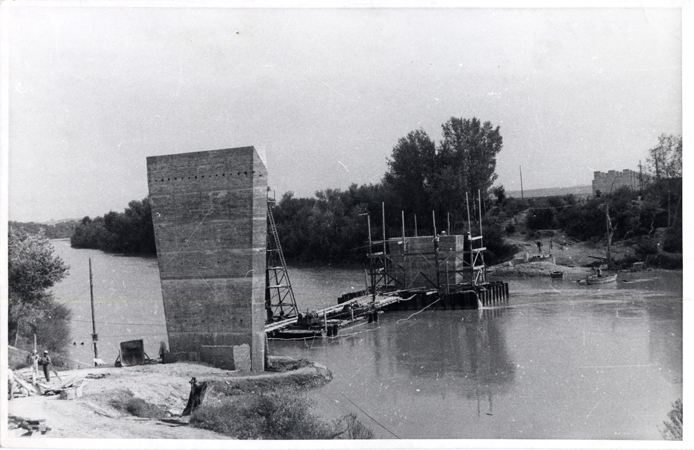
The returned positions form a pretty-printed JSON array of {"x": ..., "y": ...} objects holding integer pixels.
[{"x": 97, "y": 413}]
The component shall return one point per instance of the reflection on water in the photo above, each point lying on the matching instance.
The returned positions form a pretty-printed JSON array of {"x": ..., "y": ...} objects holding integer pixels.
[{"x": 561, "y": 361}]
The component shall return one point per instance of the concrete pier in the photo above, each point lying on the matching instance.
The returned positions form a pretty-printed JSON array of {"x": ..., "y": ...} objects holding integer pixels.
[{"x": 210, "y": 222}]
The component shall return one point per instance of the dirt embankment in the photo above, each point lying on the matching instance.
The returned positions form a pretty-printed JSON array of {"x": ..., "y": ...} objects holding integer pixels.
[
  {"x": 557, "y": 253},
  {"x": 100, "y": 412}
]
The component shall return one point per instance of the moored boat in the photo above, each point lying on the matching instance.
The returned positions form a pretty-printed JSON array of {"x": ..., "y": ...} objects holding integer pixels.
[{"x": 596, "y": 279}]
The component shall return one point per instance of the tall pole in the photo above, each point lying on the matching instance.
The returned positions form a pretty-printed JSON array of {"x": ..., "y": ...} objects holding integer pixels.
[
  {"x": 433, "y": 218},
  {"x": 521, "y": 178},
  {"x": 403, "y": 229},
  {"x": 448, "y": 220},
  {"x": 415, "y": 225},
  {"x": 404, "y": 249},
  {"x": 94, "y": 335},
  {"x": 371, "y": 259},
  {"x": 479, "y": 198},
  {"x": 640, "y": 179},
  {"x": 467, "y": 205},
  {"x": 385, "y": 259}
]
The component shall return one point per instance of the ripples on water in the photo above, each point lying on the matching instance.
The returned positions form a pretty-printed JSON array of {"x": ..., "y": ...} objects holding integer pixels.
[{"x": 561, "y": 361}]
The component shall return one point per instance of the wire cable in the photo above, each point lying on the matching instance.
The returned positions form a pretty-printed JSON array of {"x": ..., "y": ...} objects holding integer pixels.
[{"x": 369, "y": 416}]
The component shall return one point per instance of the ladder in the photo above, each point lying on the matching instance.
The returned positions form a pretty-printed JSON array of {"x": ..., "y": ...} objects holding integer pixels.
[{"x": 279, "y": 296}]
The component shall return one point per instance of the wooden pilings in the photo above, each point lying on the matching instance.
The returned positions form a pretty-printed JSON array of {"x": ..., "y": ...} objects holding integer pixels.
[
  {"x": 468, "y": 297},
  {"x": 493, "y": 294}
]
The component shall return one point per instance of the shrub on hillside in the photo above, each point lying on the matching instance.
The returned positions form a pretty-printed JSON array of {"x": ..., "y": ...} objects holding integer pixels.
[
  {"x": 674, "y": 427},
  {"x": 673, "y": 240},
  {"x": 541, "y": 219},
  {"x": 273, "y": 416}
]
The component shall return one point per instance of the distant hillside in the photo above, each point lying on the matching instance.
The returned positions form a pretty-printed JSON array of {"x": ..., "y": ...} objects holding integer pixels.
[
  {"x": 579, "y": 191},
  {"x": 55, "y": 230}
]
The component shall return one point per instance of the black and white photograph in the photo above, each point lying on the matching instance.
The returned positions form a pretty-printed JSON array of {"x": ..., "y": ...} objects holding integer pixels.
[{"x": 378, "y": 224}]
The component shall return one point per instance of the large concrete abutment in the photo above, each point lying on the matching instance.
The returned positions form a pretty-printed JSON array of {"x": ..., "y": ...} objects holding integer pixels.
[{"x": 210, "y": 223}]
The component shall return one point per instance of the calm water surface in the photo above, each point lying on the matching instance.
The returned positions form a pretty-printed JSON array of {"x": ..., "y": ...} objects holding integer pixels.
[{"x": 561, "y": 361}]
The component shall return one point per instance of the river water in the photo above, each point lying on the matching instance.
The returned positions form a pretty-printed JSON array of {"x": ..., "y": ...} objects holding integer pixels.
[{"x": 562, "y": 361}]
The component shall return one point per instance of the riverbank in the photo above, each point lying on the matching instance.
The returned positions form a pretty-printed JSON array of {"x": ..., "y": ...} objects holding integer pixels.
[
  {"x": 558, "y": 253},
  {"x": 100, "y": 412}
]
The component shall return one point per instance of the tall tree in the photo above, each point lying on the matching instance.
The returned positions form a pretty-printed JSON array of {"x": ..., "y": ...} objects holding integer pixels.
[
  {"x": 468, "y": 157},
  {"x": 32, "y": 269},
  {"x": 411, "y": 171},
  {"x": 665, "y": 159}
]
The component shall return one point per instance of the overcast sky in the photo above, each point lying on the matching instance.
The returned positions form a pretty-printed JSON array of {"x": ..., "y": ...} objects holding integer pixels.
[{"x": 326, "y": 93}]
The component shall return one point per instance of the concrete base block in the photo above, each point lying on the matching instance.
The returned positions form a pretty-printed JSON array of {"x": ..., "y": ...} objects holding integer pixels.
[
  {"x": 242, "y": 357},
  {"x": 221, "y": 356}
]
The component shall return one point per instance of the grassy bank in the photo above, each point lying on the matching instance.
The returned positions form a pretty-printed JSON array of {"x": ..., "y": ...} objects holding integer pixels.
[{"x": 274, "y": 416}]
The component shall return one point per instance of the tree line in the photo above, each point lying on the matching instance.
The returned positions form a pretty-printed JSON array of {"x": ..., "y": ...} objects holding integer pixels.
[
  {"x": 431, "y": 187},
  {"x": 129, "y": 232}
]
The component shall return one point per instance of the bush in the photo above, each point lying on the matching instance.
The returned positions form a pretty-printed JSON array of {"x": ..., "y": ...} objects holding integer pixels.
[
  {"x": 648, "y": 247},
  {"x": 141, "y": 408},
  {"x": 673, "y": 240},
  {"x": 125, "y": 402},
  {"x": 673, "y": 428},
  {"x": 274, "y": 416},
  {"x": 498, "y": 250}
]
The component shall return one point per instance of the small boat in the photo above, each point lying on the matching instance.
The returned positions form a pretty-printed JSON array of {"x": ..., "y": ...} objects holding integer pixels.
[
  {"x": 595, "y": 279},
  {"x": 558, "y": 274}
]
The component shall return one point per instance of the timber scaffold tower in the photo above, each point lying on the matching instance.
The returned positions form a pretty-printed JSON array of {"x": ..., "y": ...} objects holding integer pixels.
[
  {"x": 279, "y": 295},
  {"x": 449, "y": 265}
]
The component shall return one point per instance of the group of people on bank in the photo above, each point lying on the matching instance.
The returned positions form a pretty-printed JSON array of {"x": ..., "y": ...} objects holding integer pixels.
[{"x": 43, "y": 361}]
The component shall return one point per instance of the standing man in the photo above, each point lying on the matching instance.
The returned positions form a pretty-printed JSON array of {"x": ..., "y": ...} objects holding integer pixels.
[
  {"x": 539, "y": 246},
  {"x": 45, "y": 361},
  {"x": 34, "y": 361}
]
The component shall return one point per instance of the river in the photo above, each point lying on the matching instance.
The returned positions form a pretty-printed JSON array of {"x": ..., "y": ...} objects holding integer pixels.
[{"x": 562, "y": 361}]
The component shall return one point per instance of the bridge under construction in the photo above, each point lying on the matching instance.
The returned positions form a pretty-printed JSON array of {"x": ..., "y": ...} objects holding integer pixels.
[{"x": 440, "y": 271}]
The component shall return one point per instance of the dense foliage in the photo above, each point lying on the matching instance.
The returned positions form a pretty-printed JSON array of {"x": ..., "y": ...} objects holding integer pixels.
[
  {"x": 275, "y": 416},
  {"x": 129, "y": 232},
  {"x": 32, "y": 270},
  {"x": 423, "y": 177},
  {"x": 674, "y": 428}
]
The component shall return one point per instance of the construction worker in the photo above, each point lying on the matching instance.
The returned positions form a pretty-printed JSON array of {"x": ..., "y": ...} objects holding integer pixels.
[
  {"x": 45, "y": 361},
  {"x": 34, "y": 361}
]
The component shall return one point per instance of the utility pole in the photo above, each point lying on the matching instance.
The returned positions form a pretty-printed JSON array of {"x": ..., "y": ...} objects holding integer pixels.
[
  {"x": 521, "y": 180},
  {"x": 95, "y": 337},
  {"x": 640, "y": 178}
]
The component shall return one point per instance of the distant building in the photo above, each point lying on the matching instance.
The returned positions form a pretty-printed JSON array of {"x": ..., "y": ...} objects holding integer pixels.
[{"x": 607, "y": 182}]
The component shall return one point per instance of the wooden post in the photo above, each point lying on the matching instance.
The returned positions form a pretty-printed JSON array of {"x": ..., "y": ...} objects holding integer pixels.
[
  {"x": 385, "y": 259},
  {"x": 95, "y": 337},
  {"x": 415, "y": 225},
  {"x": 467, "y": 205},
  {"x": 521, "y": 180},
  {"x": 404, "y": 250}
]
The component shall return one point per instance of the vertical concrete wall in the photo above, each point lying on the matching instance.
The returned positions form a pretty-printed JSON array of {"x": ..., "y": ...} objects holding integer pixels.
[
  {"x": 210, "y": 222},
  {"x": 417, "y": 266}
]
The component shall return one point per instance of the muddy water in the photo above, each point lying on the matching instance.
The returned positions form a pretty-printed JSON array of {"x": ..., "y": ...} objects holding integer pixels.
[{"x": 562, "y": 361}]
